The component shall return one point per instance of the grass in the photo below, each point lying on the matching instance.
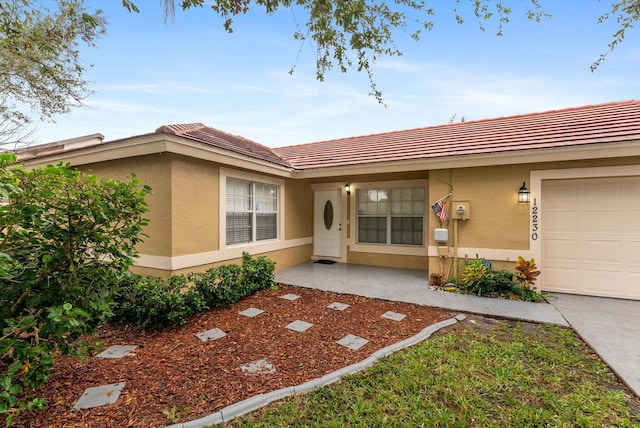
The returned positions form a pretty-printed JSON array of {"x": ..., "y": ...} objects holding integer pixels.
[{"x": 486, "y": 374}]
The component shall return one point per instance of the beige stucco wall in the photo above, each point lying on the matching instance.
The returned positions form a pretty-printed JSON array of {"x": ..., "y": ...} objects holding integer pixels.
[
  {"x": 496, "y": 221},
  {"x": 388, "y": 260},
  {"x": 194, "y": 205},
  {"x": 184, "y": 208},
  {"x": 185, "y": 204},
  {"x": 283, "y": 258},
  {"x": 154, "y": 171},
  {"x": 298, "y": 209}
]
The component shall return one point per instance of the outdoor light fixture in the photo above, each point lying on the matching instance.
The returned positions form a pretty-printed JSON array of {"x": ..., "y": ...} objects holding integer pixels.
[
  {"x": 347, "y": 189},
  {"x": 523, "y": 194}
]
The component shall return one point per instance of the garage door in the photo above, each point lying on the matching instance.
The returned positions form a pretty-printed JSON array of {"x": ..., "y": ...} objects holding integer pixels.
[{"x": 591, "y": 236}]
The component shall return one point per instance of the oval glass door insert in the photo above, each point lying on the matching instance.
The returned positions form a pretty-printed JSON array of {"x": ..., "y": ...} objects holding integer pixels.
[{"x": 328, "y": 215}]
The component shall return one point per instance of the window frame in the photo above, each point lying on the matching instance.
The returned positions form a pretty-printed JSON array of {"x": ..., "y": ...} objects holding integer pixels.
[
  {"x": 253, "y": 179},
  {"x": 388, "y": 247}
]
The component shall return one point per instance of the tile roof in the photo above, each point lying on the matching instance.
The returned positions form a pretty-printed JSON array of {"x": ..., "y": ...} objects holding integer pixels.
[
  {"x": 222, "y": 140},
  {"x": 57, "y": 147},
  {"x": 593, "y": 124}
]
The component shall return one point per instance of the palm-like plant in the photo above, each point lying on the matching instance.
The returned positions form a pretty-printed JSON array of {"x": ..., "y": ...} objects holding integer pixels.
[{"x": 526, "y": 271}]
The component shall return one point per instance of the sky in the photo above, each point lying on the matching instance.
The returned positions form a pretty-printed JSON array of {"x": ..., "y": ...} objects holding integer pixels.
[{"x": 146, "y": 73}]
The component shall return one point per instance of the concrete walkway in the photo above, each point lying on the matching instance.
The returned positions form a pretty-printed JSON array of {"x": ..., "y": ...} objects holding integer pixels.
[
  {"x": 411, "y": 286},
  {"x": 611, "y": 327}
]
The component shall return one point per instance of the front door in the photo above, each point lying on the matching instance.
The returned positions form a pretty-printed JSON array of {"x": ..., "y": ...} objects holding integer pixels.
[{"x": 327, "y": 224}]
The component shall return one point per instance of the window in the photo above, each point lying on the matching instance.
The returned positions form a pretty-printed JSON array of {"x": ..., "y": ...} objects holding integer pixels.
[
  {"x": 391, "y": 215},
  {"x": 252, "y": 211}
]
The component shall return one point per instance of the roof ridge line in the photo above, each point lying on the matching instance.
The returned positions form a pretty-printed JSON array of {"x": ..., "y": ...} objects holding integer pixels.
[
  {"x": 270, "y": 149},
  {"x": 180, "y": 128}
]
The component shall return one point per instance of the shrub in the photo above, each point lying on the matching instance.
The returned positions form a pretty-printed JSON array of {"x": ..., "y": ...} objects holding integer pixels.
[
  {"x": 221, "y": 286},
  {"x": 476, "y": 277},
  {"x": 258, "y": 272},
  {"x": 227, "y": 284},
  {"x": 526, "y": 293},
  {"x": 501, "y": 282},
  {"x": 65, "y": 239},
  {"x": 158, "y": 302},
  {"x": 526, "y": 271}
]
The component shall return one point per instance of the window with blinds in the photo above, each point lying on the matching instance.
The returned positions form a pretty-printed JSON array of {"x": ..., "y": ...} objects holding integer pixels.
[{"x": 252, "y": 211}]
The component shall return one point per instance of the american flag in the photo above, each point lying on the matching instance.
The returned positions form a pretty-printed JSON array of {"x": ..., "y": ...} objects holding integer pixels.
[{"x": 440, "y": 211}]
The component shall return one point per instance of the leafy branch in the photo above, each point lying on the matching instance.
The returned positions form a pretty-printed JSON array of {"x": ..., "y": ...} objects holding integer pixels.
[{"x": 354, "y": 34}]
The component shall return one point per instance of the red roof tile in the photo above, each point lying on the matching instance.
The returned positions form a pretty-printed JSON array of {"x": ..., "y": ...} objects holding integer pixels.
[
  {"x": 222, "y": 140},
  {"x": 594, "y": 124}
]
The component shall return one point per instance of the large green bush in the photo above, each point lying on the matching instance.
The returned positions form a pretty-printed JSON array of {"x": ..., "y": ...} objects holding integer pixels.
[
  {"x": 65, "y": 239},
  {"x": 156, "y": 302},
  {"x": 226, "y": 284},
  {"x": 220, "y": 286}
]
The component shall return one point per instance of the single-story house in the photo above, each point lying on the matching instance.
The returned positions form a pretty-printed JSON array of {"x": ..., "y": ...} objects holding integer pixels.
[{"x": 424, "y": 198}]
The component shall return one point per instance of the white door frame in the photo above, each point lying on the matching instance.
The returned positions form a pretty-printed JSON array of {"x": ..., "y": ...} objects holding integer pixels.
[{"x": 340, "y": 219}]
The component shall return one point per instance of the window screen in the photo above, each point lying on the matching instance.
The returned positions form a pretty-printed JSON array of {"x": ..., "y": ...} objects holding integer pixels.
[{"x": 252, "y": 211}]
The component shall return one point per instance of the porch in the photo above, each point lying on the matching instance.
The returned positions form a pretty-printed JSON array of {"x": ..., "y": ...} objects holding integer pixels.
[{"x": 411, "y": 286}]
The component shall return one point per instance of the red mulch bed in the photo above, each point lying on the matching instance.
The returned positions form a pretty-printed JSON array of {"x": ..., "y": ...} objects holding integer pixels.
[{"x": 172, "y": 370}]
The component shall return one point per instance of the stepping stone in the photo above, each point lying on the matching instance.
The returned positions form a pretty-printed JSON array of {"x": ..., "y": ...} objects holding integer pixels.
[
  {"x": 290, "y": 297},
  {"x": 99, "y": 396},
  {"x": 338, "y": 306},
  {"x": 116, "y": 351},
  {"x": 262, "y": 366},
  {"x": 251, "y": 312},
  {"x": 393, "y": 316},
  {"x": 213, "y": 334},
  {"x": 299, "y": 326},
  {"x": 352, "y": 342}
]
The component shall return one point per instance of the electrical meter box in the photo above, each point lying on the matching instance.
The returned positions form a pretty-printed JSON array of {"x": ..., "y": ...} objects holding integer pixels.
[
  {"x": 460, "y": 210},
  {"x": 441, "y": 235}
]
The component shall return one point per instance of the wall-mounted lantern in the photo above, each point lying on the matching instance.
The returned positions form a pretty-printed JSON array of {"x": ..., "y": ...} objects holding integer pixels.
[
  {"x": 523, "y": 194},
  {"x": 347, "y": 189}
]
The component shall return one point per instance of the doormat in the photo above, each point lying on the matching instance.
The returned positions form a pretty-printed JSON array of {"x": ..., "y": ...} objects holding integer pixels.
[{"x": 325, "y": 262}]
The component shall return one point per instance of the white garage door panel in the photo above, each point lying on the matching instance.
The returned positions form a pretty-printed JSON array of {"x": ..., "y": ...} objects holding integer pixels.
[
  {"x": 632, "y": 287},
  {"x": 561, "y": 250},
  {"x": 602, "y": 252},
  {"x": 562, "y": 221},
  {"x": 591, "y": 236},
  {"x": 602, "y": 221},
  {"x": 597, "y": 191},
  {"x": 601, "y": 282},
  {"x": 559, "y": 279},
  {"x": 565, "y": 193},
  {"x": 635, "y": 220},
  {"x": 634, "y": 254}
]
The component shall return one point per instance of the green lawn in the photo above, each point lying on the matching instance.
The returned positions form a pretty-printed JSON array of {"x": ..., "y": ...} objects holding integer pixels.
[{"x": 474, "y": 374}]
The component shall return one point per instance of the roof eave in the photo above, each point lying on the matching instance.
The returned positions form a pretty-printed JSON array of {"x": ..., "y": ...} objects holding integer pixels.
[{"x": 156, "y": 143}]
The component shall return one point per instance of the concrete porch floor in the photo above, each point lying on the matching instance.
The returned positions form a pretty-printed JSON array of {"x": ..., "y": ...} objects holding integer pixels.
[{"x": 411, "y": 286}]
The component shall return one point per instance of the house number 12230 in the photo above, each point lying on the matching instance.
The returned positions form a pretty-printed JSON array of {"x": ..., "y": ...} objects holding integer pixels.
[{"x": 534, "y": 221}]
